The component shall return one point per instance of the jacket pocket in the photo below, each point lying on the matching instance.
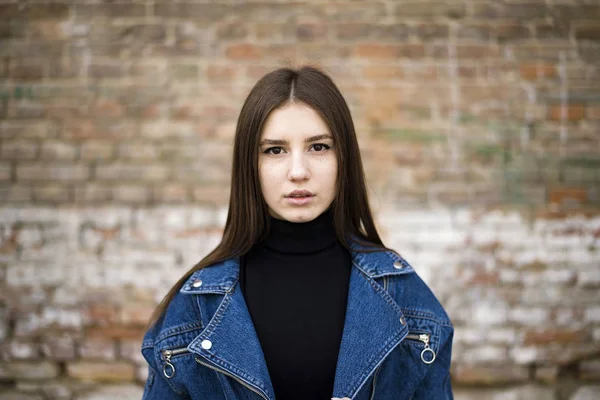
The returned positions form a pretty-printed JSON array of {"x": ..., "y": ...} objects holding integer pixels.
[
  {"x": 422, "y": 339},
  {"x": 169, "y": 369}
]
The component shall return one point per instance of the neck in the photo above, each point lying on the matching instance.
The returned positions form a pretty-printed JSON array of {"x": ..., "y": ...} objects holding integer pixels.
[{"x": 302, "y": 237}]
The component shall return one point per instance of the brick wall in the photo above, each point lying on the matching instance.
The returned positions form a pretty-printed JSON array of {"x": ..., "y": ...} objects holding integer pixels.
[{"x": 478, "y": 120}]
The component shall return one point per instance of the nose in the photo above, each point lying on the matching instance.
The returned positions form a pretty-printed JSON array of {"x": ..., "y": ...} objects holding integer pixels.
[{"x": 299, "y": 170}]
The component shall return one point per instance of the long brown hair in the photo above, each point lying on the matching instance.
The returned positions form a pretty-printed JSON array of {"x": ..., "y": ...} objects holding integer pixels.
[{"x": 248, "y": 217}]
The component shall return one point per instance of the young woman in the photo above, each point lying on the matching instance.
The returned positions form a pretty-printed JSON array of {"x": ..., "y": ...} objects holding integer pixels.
[{"x": 301, "y": 299}]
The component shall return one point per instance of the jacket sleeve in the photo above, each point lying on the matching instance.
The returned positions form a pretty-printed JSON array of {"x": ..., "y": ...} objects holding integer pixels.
[{"x": 437, "y": 384}]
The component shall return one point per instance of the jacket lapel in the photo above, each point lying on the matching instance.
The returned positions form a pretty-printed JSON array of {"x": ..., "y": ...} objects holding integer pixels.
[
  {"x": 374, "y": 323},
  {"x": 229, "y": 341}
]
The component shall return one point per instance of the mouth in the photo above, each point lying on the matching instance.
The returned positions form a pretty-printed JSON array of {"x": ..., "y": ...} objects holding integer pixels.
[
  {"x": 299, "y": 198},
  {"x": 299, "y": 194}
]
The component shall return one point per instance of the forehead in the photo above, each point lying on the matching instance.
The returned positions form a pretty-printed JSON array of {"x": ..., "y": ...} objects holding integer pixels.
[{"x": 293, "y": 120}]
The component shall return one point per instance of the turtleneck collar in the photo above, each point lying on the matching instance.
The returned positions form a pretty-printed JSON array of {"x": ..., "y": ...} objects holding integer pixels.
[{"x": 302, "y": 237}]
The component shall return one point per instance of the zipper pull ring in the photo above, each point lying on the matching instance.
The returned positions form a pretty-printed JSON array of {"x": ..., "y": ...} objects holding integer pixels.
[
  {"x": 425, "y": 339},
  {"x": 168, "y": 368}
]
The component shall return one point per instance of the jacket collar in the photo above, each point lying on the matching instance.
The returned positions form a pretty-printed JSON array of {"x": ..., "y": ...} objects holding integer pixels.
[{"x": 374, "y": 323}]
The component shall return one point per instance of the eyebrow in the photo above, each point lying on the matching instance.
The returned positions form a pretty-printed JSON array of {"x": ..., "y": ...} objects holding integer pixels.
[{"x": 284, "y": 142}]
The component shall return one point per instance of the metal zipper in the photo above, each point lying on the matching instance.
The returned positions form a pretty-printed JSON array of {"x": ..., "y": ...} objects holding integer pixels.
[
  {"x": 232, "y": 376},
  {"x": 169, "y": 368},
  {"x": 423, "y": 337}
]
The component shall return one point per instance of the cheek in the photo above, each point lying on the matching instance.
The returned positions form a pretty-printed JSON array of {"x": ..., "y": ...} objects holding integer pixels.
[{"x": 268, "y": 178}]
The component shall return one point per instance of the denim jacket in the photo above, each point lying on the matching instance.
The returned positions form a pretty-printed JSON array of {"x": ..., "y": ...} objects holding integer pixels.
[{"x": 396, "y": 342}]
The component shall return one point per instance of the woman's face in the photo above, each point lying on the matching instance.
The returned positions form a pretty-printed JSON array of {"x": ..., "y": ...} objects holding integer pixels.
[{"x": 296, "y": 154}]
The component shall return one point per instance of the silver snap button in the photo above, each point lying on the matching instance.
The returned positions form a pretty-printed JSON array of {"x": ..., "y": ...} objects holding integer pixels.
[
  {"x": 402, "y": 321},
  {"x": 398, "y": 265},
  {"x": 206, "y": 344},
  {"x": 197, "y": 283}
]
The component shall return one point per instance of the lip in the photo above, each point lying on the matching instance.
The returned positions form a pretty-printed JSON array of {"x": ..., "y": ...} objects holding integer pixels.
[
  {"x": 299, "y": 201},
  {"x": 300, "y": 193},
  {"x": 300, "y": 197}
]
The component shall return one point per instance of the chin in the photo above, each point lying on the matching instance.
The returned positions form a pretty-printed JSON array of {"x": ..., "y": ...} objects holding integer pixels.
[{"x": 299, "y": 215}]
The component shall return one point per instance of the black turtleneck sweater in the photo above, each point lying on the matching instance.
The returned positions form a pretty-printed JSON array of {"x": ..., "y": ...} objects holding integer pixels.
[{"x": 295, "y": 284}]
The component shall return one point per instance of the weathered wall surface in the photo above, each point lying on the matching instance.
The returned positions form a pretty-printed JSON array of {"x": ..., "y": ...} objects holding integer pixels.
[{"x": 479, "y": 125}]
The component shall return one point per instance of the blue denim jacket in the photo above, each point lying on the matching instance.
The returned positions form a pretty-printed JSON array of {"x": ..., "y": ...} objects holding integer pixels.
[{"x": 396, "y": 343}]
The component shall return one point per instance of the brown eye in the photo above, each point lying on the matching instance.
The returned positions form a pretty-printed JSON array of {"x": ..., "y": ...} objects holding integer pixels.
[
  {"x": 321, "y": 146},
  {"x": 273, "y": 150}
]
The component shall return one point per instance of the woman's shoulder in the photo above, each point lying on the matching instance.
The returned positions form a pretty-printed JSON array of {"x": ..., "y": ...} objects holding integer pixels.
[
  {"x": 180, "y": 315},
  {"x": 403, "y": 282}
]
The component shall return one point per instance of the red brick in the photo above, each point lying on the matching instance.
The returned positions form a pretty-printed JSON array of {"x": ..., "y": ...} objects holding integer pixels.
[
  {"x": 52, "y": 193},
  {"x": 388, "y": 51},
  {"x": 45, "y": 171},
  {"x": 243, "y": 52},
  {"x": 483, "y": 278},
  {"x": 588, "y": 32},
  {"x": 218, "y": 73},
  {"x": 511, "y": 31},
  {"x": 5, "y": 172},
  {"x": 198, "y": 12},
  {"x": 269, "y": 30},
  {"x": 75, "y": 128},
  {"x": 567, "y": 194},
  {"x": 97, "y": 150},
  {"x": 573, "y": 112},
  {"x": 131, "y": 194},
  {"x": 353, "y": 31},
  {"x": 106, "y": 70},
  {"x": 33, "y": 11},
  {"x": 310, "y": 32},
  {"x": 534, "y": 71},
  {"x": 116, "y": 332},
  {"x": 26, "y": 72},
  {"x": 555, "y": 336},
  {"x": 376, "y": 51},
  {"x": 214, "y": 195},
  {"x": 92, "y": 193},
  {"x": 589, "y": 370},
  {"x": 382, "y": 72},
  {"x": 57, "y": 150},
  {"x": 100, "y": 314},
  {"x": 489, "y": 375},
  {"x": 59, "y": 347},
  {"x": 107, "y": 108},
  {"x": 428, "y": 31},
  {"x": 593, "y": 112},
  {"x": 135, "y": 314},
  {"x": 235, "y": 29},
  {"x": 97, "y": 349},
  {"x": 255, "y": 72},
  {"x": 110, "y": 10},
  {"x": 101, "y": 371},
  {"x": 427, "y": 9},
  {"x": 19, "y": 149},
  {"x": 171, "y": 193}
]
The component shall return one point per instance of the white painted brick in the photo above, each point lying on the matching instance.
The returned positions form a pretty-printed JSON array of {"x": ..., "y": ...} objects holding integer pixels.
[
  {"x": 31, "y": 274},
  {"x": 203, "y": 217},
  {"x": 468, "y": 335},
  {"x": 596, "y": 334},
  {"x": 501, "y": 335},
  {"x": 484, "y": 354},
  {"x": 529, "y": 316},
  {"x": 485, "y": 313},
  {"x": 592, "y": 314},
  {"x": 524, "y": 355}
]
